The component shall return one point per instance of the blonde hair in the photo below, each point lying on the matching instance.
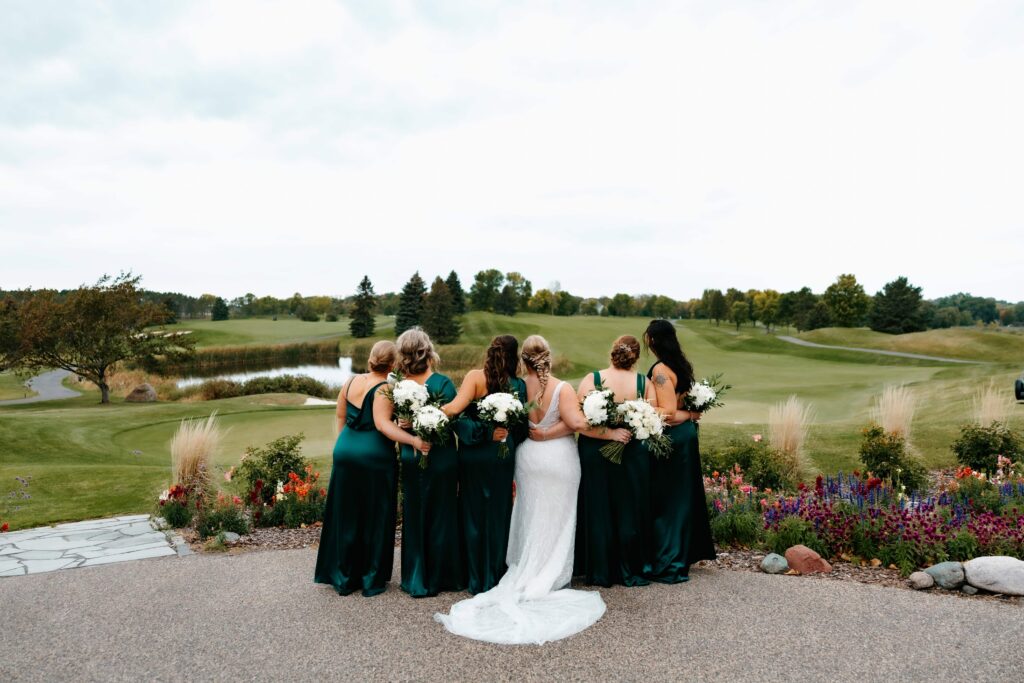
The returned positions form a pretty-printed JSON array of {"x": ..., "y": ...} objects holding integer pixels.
[
  {"x": 625, "y": 352},
  {"x": 416, "y": 352},
  {"x": 537, "y": 357},
  {"x": 382, "y": 356}
]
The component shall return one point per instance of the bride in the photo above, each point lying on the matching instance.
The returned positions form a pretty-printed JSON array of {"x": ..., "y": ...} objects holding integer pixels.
[{"x": 531, "y": 604}]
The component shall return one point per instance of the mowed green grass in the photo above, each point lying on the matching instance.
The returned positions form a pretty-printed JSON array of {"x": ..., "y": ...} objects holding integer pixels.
[
  {"x": 12, "y": 386},
  {"x": 88, "y": 460},
  {"x": 968, "y": 343},
  {"x": 245, "y": 332}
]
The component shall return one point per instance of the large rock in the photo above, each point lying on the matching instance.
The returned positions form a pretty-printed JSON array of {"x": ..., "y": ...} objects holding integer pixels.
[
  {"x": 774, "y": 563},
  {"x": 806, "y": 561},
  {"x": 231, "y": 538},
  {"x": 997, "y": 574},
  {"x": 948, "y": 575},
  {"x": 144, "y": 393},
  {"x": 920, "y": 581}
]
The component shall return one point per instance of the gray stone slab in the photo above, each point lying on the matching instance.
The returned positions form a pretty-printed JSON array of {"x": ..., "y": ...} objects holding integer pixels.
[
  {"x": 105, "y": 536},
  {"x": 91, "y": 553},
  {"x": 151, "y": 537},
  {"x": 57, "y": 543},
  {"x": 8, "y": 549},
  {"x": 40, "y": 555},
  {"x": 134, "y": 518},
  {"x": 40, "y": 566},
  {"x": 137, "y": 528},
  {"x": 15, "y": 571},
  {"x": 8, "y": 563},
  {"x": 90, "y": 524},
  {"x": 165, "y": 551}
]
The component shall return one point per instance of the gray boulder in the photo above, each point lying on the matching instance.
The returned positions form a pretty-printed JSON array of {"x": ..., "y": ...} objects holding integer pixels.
[
  {"x": 920, "y": 581},
  {"x": 948, "y": 575},
  {"x": 968, "y": 589},
  {"x": 774, "y": 563},
  {"x": 997, "y": 574},
  {"x": 144, "y": 393},
  {"x": 231, "y": 538}
]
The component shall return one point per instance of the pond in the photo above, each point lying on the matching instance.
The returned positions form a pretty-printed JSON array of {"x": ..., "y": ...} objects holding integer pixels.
[{"x": 332, "y": 374}]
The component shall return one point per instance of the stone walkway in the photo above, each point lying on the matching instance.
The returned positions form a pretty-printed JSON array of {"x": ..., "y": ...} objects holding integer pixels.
[{"x": 83, "y": 544}]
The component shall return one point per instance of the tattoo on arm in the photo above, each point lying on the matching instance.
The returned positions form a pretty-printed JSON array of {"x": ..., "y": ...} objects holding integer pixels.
[{"x": 660, "y": 379}]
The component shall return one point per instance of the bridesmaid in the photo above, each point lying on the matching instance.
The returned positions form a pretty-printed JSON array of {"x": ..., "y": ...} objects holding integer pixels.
[
  {"x": 357, "y": 543},
  {"x": 613, "y": 521},
  {"x": 485, "y": 480},
  {"x": 431, "y": 556},
  {"x": 681, "y": 532}
]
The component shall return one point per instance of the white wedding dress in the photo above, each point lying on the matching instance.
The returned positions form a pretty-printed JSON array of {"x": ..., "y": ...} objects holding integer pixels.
[{"x": 531, "y": 604}]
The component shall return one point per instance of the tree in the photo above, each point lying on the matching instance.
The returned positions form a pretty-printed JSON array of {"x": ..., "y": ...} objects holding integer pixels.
[
  {"x": 739, "y": 313},
  {"x": 522, "y": 287},
  {"x": 621, "y": 305},
  {"x": 458, "y": 296},
  {"x": 507, "y": 302},
  {"x": 718, "y": 308},
  {"x": 410, "y": 304},
  {"x": 847, "y": 303},
  {"x": 567, "y": 304},
  {"x": 484, "y": 292},
  {"x": 219, "y": 310},
  {"x": 439, "y": 314},
  {"x": 796, "y": 307},
  {"x": 544, "y": 301},
  {"x": 90, "y": 330},
  {"x": 766, "y": 304},
  {"x": 362, "y": 324},
  {"x": 820, "y": 316},
  {"x": 171, "y": 307},
  {"x": 897, "y": 308}
]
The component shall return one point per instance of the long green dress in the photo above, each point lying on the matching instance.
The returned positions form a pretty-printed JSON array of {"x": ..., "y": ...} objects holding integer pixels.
[
  {"x": 681, "y": 533},
  {"x": 357, "y": 542},
  {"x": 485, "y": 494},
  {"x": 431, "y": 553},
  {"x": 613, "y": 516}
]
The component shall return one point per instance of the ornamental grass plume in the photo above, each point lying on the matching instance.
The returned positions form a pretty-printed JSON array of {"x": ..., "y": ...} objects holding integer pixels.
[
  {"x": 991, "y": 405},
  {"x": 788, "y": 422},
  {"x": 191, "y": 448},
  {"x": 895, "y": 409}
]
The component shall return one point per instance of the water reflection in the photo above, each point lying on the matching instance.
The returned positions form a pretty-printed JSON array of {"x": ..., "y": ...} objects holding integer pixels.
[{"x": 331, "y": 374}]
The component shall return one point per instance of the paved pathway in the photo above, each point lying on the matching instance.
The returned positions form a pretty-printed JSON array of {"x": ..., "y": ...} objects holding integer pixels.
[
  {"x": 48, "y": 387},
  {"x": 82, "y": 544},
  {"x": 881, "y": 352},
  {"x": 258, "y": 616}
]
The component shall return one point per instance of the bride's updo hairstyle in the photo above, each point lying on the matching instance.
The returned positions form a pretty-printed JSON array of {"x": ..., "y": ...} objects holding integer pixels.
[
  {"x": 537, "y": 357},
  {"x": 382, "y": 357},
  {"x": 662, "y": 341},
  {"x": 502, "y": 363},
  {"x": 625, "y": 352},
  {"x": 416, "y": 352}
]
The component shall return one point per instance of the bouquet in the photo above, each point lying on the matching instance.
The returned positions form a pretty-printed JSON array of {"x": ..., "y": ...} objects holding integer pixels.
[
  {"x": 644, "y": 422},
  {"x": 502, "y": 410},
  {"x": 706, "y": 394},
  {"x": 599, "y": 407},
  {"x": 432, "y": 425},
  {"x": 406, "y": 395}
]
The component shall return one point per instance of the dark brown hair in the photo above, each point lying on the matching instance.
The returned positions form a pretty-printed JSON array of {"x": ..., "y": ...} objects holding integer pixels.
[
  {"x": 662, "y": 341},
  {"x": 625, "y": 352},
  {"x": 502, "y": 363}
]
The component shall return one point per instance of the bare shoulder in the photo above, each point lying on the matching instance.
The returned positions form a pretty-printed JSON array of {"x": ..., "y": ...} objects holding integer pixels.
[
  {"x": 586, "y": 384},
  {"x": 474, "y": 377},
  {"x": 663, "y": 375}
]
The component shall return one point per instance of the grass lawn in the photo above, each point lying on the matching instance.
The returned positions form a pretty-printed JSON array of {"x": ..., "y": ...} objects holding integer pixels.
[
  {"x": 88, "y": 460},
  {"x": 969, "y": 343},
  {"x": 12, "y": 386},
  {"x": 249, "y": 331}
]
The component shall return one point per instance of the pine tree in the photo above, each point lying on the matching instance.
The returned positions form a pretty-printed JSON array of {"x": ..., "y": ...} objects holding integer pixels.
[
  {"x": 507, "y": 301},
  {"x": 220, "y": 310},
  {"x": 362, "y": 323},
  {"x": 897, "y": 308},
  {"x": 458, "y": 296},
  {"x": 410, "y": 304},
  {"x": 439, "y": 314}
]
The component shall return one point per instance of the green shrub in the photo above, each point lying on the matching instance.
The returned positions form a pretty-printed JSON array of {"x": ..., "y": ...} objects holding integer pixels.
[
  {"x": 793, "y": 531},
  {"x": 763, "y": 466},
  {"x": 979, "y": 495},
  {"x": 963, "y": 546},
  {"x": 300, "y": 502},
  {"x": 738, "y": 525},
  {"x": 862, "y": 540},
  {"x": 978, "y": 447},
  {"x": 885, "y": 455},
  {"x": 226, "y": 514},
  {"x": 178, "y": 514},
  {"x": 262, "y": 469},
  {"x": 908, "y": 556}
]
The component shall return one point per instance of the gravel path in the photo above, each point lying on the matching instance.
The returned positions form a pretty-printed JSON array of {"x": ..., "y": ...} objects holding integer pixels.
[
  {"x": 881, "y": 352},
  {"x": 258, "y": 616},
  {"x": 48, "y": 387}
]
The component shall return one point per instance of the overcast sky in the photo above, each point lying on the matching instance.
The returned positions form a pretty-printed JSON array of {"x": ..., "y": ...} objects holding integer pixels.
[{"x": 234, "y": 147}]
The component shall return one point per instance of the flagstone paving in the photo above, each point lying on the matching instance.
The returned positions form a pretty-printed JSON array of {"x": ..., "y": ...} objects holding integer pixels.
[{"x": 83, "y": 544}]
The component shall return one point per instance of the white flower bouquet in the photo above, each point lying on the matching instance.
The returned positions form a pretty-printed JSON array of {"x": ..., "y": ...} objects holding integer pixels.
[
  {"x": 406, "y": 395},
  {"x": 646, "y": 425},
  {"x": 432, "y": 425},
  {"x": 706, "y": 394},
  {"x": 502, "y": 410},
  {"x": 599, "y": 408}
]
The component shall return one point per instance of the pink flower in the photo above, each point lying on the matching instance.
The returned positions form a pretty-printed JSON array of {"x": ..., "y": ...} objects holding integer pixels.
[
  {"x": 746, "y": 488},
  {"x": 757, "y": 438}
]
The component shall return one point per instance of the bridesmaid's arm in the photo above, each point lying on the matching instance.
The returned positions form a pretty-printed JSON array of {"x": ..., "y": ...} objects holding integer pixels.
[
  {"x": 342, "y": 411},
  {"x": 620, "y": 434},
  {"x": 552, "y": 432},
  {"x": 383, "y": 411},
  {"x": 569, "y": 410},
  {"x": 467, "y": 392},
  {"x": 664, "y": 381}
]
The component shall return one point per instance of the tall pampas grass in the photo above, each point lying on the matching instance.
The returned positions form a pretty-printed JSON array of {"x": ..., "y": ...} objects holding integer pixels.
[
  {"x": 191, "y": 449},
  {"x": 991, "y": 405},
  {"x": 788, "y": 422},
  {"x": 895, "y": 409}
]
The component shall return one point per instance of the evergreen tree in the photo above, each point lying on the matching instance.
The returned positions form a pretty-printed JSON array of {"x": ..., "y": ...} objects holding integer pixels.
[
  {"x": 897, "y": 308},
  {"x": 507, "y": 302},
  {"x": 410, "y": 304},
  {"x": 458, "y": 296},
  {"x": 362, "y": 324},
  {"x": 439, "y": 314},
  {"x": 219, "y": 310}
]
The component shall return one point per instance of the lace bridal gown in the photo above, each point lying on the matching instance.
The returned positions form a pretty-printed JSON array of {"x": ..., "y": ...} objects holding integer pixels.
[{"x": 531, "y": 604}]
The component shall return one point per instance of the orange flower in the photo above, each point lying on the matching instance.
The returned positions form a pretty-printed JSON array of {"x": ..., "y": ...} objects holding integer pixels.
[{"x": 323, "y": 492}]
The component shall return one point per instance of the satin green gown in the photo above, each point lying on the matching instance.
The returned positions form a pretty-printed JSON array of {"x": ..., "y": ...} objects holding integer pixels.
[
  {"x": 485, "y": 494},
  {"x": 681, "y": 533},
  {"x": 357, "y": 542},
  {"x": 613, "y": 516},
  {"x": 431, "y": 553}
]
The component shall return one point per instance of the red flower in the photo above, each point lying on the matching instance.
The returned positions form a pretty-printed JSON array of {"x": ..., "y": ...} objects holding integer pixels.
[
  {"x": 4, "y": 527},
  {"x": 323, "y": 492}
]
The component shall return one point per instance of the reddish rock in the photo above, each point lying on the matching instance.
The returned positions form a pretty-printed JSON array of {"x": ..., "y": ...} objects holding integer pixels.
[{"x": 806, "y": 561}]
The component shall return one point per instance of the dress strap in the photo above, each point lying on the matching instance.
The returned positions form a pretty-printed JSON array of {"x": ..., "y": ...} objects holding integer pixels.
[
  {"x": 369, "y": 394},
  {"x": 597, "y": 380},
  {"x": 641, "y": 385}
]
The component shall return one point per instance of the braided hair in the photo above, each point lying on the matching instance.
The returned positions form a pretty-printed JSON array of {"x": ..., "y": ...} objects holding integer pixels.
[
  {"x": 502, "y": 363},
  {"x": 537, "y": 357},
  {"x": 416, "y": 352}
]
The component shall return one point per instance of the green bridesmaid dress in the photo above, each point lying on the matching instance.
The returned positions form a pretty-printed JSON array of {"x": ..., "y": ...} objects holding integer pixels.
[
  {"x": 357, "y": 542},
  {"x": 431, "y": 553},
  {"x": 485, "y": 494},
  {"x": 613, "y": 517},
  {"x": 681, "y": 533}
]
